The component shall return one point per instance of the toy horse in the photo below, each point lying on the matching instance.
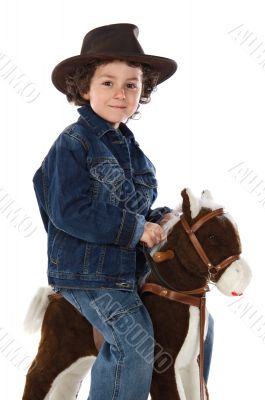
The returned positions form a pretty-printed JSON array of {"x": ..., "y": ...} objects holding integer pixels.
[{"x": 202, "y": 245}]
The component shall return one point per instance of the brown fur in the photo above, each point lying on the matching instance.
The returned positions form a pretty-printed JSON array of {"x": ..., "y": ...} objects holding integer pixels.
[{"x": 67, "y": 335}]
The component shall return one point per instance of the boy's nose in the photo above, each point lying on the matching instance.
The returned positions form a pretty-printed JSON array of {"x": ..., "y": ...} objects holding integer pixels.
[{"x": 120, "y": 94}]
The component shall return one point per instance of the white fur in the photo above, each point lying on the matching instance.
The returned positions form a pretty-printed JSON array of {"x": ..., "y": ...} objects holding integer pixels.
[
  {"x": 207, "y": 201},
  {"x": 195, "y": 205},
  {"x": 235, "y": 279},
  {"x": 186, "y": 365},
  {"x": 180, "y": 385},
  {"x": 206, "y": 194},
  {"x": 37, "y": 308},
  {"x": 67, "y": 384},
  {"x": 167, "y": 227}
]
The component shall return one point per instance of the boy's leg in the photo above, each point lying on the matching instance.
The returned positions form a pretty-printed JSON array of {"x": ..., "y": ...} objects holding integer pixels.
[
  {"x": 208, "y": 348},
  {"x": 123, "y": 368}
]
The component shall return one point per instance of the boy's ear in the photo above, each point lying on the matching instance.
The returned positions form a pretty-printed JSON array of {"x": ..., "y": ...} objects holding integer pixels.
[{"x": 85, "y": 95}]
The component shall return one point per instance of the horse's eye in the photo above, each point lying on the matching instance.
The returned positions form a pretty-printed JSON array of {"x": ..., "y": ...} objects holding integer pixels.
[{"x": 212, "y": 237}]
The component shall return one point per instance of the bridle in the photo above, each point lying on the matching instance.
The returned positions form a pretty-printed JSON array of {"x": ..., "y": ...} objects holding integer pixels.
[
  {"x": 194, "y": 297},
  {"x": 190, "y": 230}
]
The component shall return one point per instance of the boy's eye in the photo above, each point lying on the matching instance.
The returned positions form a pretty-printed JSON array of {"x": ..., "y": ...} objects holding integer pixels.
[
  {"x": 131, "y": 86},
  {"x": 128, "y": 85},
  {"x": 107, "y": 83}
]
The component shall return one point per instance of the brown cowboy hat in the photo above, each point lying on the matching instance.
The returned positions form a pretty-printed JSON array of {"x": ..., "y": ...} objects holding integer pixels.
[{"x": 116, "y": 41}]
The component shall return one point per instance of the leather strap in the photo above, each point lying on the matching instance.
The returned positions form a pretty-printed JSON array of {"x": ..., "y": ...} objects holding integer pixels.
[
  {"x": 187, "y": 297},
  {"x": 184, "y": 298},
  {"x": 201, "y": 361},
  {"x": 181, "y": 297},
  {"x": 207, "y": 217},
  {"x": 213, "y": 269},
  {"x": 195, "y": 241},
  {"x": 163, "y": 282}
]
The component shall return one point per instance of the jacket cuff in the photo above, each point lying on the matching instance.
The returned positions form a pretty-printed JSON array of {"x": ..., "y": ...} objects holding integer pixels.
[
  {"x": 131, "y": 229},
  {"x": 156, "y": 214}
]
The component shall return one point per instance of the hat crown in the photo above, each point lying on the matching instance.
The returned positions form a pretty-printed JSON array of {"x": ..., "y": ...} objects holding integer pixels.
[
  {"x": 112, "y": 39},
  {"x": 112, "y": 42}
]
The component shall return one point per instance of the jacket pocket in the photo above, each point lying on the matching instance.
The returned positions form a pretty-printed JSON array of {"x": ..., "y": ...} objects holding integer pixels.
[
  {"x": 66, "y": 254},
  {"x": 145, "y": 186},
  {"x": 57, "y": 246},
  {"x": 107, "y": 178},
  {"x": 109, "y": 262}
]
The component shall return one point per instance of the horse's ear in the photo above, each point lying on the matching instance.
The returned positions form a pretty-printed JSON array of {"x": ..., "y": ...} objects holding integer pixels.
[
  {"x": 206, "y": 195},
  {"x": 191, "y": 205}
]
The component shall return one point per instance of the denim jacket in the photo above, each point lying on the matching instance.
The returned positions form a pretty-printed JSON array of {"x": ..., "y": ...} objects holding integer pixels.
[{"x": 95, "y": 189}]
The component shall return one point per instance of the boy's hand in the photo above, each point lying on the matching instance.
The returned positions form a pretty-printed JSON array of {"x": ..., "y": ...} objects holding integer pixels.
[
  {"x": 166, "y": 217},
  {"x": 153, "y": 234}
]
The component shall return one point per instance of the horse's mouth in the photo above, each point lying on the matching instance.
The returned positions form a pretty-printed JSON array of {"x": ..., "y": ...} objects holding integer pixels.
[{"x": 236, "y": 294}]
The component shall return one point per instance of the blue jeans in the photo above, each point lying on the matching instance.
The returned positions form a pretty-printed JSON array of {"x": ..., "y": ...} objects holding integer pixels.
[
  {"x": 125, "y": 361},
  {"x": 208, "y": 348}
]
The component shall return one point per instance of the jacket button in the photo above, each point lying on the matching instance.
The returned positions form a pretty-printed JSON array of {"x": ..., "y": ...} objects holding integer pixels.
[{"x": 122, "y": 284}]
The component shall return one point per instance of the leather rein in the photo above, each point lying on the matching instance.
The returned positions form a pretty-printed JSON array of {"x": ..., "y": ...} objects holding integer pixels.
[{"x": 194, "y": 297}]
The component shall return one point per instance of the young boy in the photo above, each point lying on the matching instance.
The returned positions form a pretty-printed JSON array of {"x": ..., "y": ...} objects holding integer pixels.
[{"x": 95, "y": 190}]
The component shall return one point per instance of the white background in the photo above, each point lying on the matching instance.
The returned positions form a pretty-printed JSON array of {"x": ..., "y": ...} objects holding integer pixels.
[{"x": 200, "y": 124}]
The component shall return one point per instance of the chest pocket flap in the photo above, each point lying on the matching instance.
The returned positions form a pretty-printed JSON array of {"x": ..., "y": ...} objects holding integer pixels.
[{"x": 145, "y": 178}]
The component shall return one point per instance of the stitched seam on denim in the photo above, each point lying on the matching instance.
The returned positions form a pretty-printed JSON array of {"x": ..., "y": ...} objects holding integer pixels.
[
  {"x": 79, "y": 138},
  {"x": 116, "y": 241},
  {"x": 119, "y": 364},
  {"x": 114, "y": 196},
  {"x": 116, "y": 388},
  {"x": 124, "y": 310},
  {"x": 54, "y": 259},
  {"x": 86, "y": 258},
  {"x": 45, "y": 186},
  {"x": 61, "y": 246},
  {"x": 75, "y": 301},
  {"x": 101, "y": 260},
  {"x": 95, "y": 190},
  {"x": 132, "y": 234},
  {"x": 128, "y": 310},
  {"x": 45, "y": 193}
]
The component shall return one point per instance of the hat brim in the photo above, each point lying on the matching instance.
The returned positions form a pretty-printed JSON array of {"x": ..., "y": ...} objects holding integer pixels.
[{"x": 165, "y": 66}]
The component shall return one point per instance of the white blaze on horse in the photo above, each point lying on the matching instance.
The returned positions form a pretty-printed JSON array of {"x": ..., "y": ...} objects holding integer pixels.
[{"x": 202, "y": 246}]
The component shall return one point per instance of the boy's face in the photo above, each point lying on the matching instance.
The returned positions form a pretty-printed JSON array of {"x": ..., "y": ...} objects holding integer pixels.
[{"x": 115, "y": 91}]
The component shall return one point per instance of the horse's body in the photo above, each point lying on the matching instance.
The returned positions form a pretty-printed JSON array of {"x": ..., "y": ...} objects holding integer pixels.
[{"x": 67, "y": 348}]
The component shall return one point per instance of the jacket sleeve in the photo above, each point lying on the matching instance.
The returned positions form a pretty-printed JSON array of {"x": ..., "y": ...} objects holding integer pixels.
[
  {"x": 156, "y": 214},
  {"x": 69, "y": 205}
]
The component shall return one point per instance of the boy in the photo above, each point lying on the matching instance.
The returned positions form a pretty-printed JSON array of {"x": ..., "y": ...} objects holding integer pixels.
[{"x": 95, "y": 190}]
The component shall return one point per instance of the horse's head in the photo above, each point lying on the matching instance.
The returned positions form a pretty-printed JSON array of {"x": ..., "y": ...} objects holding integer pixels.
[{"x": 206, "y": 242}]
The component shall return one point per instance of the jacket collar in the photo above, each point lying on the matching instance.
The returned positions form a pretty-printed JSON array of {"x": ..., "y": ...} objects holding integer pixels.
[{"x": 98, "y": 125}]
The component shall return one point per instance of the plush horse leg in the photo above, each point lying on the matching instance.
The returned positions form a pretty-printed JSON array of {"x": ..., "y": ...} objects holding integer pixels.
[
  {"x": 187, "y": 357},
  {"x": 167, "y": 385},
  {"x": 67, "y": 384},
  {"x": 191, "y": 381},
  {"x": 66, "y": 336}
]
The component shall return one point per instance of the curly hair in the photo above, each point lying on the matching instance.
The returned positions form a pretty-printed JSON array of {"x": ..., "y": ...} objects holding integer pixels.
[{"x": 79, "y": 82}]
